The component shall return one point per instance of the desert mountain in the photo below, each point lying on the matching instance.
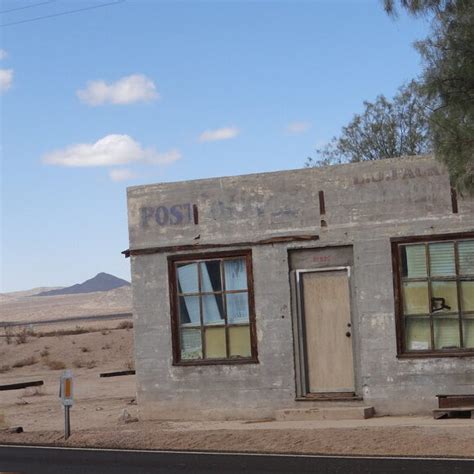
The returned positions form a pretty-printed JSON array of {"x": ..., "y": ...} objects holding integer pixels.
[{"x": 101, "y": 282}]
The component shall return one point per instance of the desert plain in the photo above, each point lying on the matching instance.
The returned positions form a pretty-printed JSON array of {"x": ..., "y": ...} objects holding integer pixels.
[{"x": 106, "y": 414}]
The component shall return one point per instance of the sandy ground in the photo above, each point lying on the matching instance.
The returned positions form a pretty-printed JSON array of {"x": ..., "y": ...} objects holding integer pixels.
[
  {"x": 21, "y": 306},
  {"x": 95, "y": 418}
]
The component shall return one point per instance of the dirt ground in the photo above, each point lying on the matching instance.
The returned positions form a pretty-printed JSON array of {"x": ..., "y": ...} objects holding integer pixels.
[{"x": 95, "y": 417}]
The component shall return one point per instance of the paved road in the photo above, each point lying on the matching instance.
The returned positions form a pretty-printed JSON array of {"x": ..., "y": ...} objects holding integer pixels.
[
  {"x": 72, "y": 319},
  {"x": 63, "y": 460}
]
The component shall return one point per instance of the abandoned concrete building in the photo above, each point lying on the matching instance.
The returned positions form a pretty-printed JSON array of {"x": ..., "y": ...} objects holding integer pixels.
[{"x": 348, "y": 285}]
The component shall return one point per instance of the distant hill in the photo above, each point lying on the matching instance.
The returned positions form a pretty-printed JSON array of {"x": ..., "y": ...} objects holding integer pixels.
[{"x": 101, "y": 282}]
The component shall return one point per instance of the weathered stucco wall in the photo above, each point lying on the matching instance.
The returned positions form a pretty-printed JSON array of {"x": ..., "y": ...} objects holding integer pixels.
[{"x": 365, "y": 205}]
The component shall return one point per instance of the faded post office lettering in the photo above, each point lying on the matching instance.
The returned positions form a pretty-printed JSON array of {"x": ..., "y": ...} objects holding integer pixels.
[{"x": 176, "y": 214}]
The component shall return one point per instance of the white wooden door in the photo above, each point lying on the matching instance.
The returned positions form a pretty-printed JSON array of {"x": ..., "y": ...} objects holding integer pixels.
[{"x": 326, "y": 300}]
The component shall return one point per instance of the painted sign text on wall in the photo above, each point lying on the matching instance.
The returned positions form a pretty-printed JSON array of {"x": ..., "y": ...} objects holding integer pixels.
[
  {"x": 176, "y": 214},
  {"x": 394, "y": 174}
]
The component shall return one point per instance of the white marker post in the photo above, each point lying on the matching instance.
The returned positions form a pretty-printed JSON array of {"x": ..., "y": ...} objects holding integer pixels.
[{"x": 67, "y": 399}]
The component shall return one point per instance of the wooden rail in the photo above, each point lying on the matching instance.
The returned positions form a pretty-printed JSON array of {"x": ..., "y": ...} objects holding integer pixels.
[{"x": 17, "y": 386}]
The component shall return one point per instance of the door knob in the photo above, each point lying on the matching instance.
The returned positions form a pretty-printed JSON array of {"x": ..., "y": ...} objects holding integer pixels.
[{"x": 348, "y": 334}]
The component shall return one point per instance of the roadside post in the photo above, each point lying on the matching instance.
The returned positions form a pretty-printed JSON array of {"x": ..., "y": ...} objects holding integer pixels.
[{"x": 67, "y": 399}]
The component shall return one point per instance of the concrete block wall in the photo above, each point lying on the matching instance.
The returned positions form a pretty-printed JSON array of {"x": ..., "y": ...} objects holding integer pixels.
[
  {"x": 366, "y": 206},
  {"x": 217, "y": 391}
]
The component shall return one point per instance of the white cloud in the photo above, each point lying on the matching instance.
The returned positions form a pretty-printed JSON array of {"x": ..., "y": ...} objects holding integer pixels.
[
  {"x": 298, "y": 127},
  {"x": 165, "y": 158},
  {"x": 219, "y": 134},
  {"x": 109, "y": 151},
  {"x": 127, "y": 90},
  {"x": 6, "y": 79},
  {"x": 121, "y": 174},
  {"x": 3, "y": 54}
]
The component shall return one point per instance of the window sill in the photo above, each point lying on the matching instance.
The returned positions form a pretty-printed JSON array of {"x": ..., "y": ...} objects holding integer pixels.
[
  {"x": 431, "y": 355},
  {"x": 215, "y": 362}
]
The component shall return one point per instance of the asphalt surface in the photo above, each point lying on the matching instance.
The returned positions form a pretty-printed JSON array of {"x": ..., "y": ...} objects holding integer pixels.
[
  {"x": 72, "y": 319},
  {"x": 64, "y": 460}
]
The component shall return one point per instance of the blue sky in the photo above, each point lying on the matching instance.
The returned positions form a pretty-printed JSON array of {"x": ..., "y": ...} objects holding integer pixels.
[{"x": 170, "y": 90}]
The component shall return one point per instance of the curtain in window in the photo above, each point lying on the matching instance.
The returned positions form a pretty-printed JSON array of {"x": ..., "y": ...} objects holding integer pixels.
[
  {"x": 211, "y": 304},
  {"x": 466, "y": 257},
  {"x": 416, "y": 261},
  {"x": 188, "y": 283},
  {"x": 442, "y": 259}
]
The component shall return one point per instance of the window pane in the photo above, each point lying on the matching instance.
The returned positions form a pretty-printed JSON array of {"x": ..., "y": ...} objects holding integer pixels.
[
  {"x": 215, "y": 343},
  {"x": 189, "y": 310},
  {"x": 415, "y": 297},
  {"x": 468, "y": 333},
  {"x": 446, "y": 332},
  {"x": 442, "y": 259},
  {"x": 417, "y": 334},
  {"x": 237, "y": 308},
  {"x": 239, "y": 341},
  {"x": 444, "y": 297},
  {"x": 466, "y": 257},
  {"x": 188, "y": 278},
  {"x": 191, "y": 344},
  {"x": 213, "y": 309},
  {"x": 414, "y": 261},
  {"x": 211, "y": 276},
  {"x": 467, "y": 295},
  {"x": 235, "y": 274}
]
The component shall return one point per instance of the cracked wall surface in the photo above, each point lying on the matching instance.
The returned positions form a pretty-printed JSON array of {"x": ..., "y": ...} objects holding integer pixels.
[{"x": 365, "y": 206}]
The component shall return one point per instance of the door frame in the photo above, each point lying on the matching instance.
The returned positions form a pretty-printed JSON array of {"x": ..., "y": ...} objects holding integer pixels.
[{"x": 299, "y": 329}]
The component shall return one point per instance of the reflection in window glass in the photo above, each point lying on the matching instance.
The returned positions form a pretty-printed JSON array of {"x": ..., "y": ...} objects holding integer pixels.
[
  {"x": 239, "y": 341},
  {"x": 414, "y": 261},
  {"x": 189, "y": 310},
  {"x": 417, "y": 334},
  {"x": 415, "y": 297},
  {"x": 442, "y": 259},
  {"x": 212, "y": 309},
  {"x": 188, "y": 278},
  {"x": 215, "y": 343},
  {"x": 467, "y": 296},
  {"x": 191, "y": 347},
  {"x": 237, "y": 308},
  {"x": 466, "y": 257},
  {"x": 446, "y": 332},
  {"x": 211, "y": 276},
  {"x": 444, "y": 297},
  {"x": 235, "y": 274}
]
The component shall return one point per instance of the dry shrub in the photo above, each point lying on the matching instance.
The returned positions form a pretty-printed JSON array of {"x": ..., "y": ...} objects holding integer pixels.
[
  {"x": 85, "y": 349},
  {"x": 66, "y": 332},
  {"x": 106, "y": 347},
  {"x": 55, "y": 364},
  {"x": 22, "y": 336},
  {"x": 44, "y": 352},
  {"x": 80, "y": 364},
  {"x": 8, "y": 334},
  {"x": 130, "y": 364},
  {"x": 125, "y": 325},
  {"x": 33, "y": 391},
  {"x": 24, "y": 362},
  {"x": 5, "y": 368}
]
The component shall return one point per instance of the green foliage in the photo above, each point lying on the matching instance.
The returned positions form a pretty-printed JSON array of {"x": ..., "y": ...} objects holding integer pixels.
[
  {"x": 418, "y": 7},
  {"x": 385, "y": 129},
  {"x": 448, "y": 81}
]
